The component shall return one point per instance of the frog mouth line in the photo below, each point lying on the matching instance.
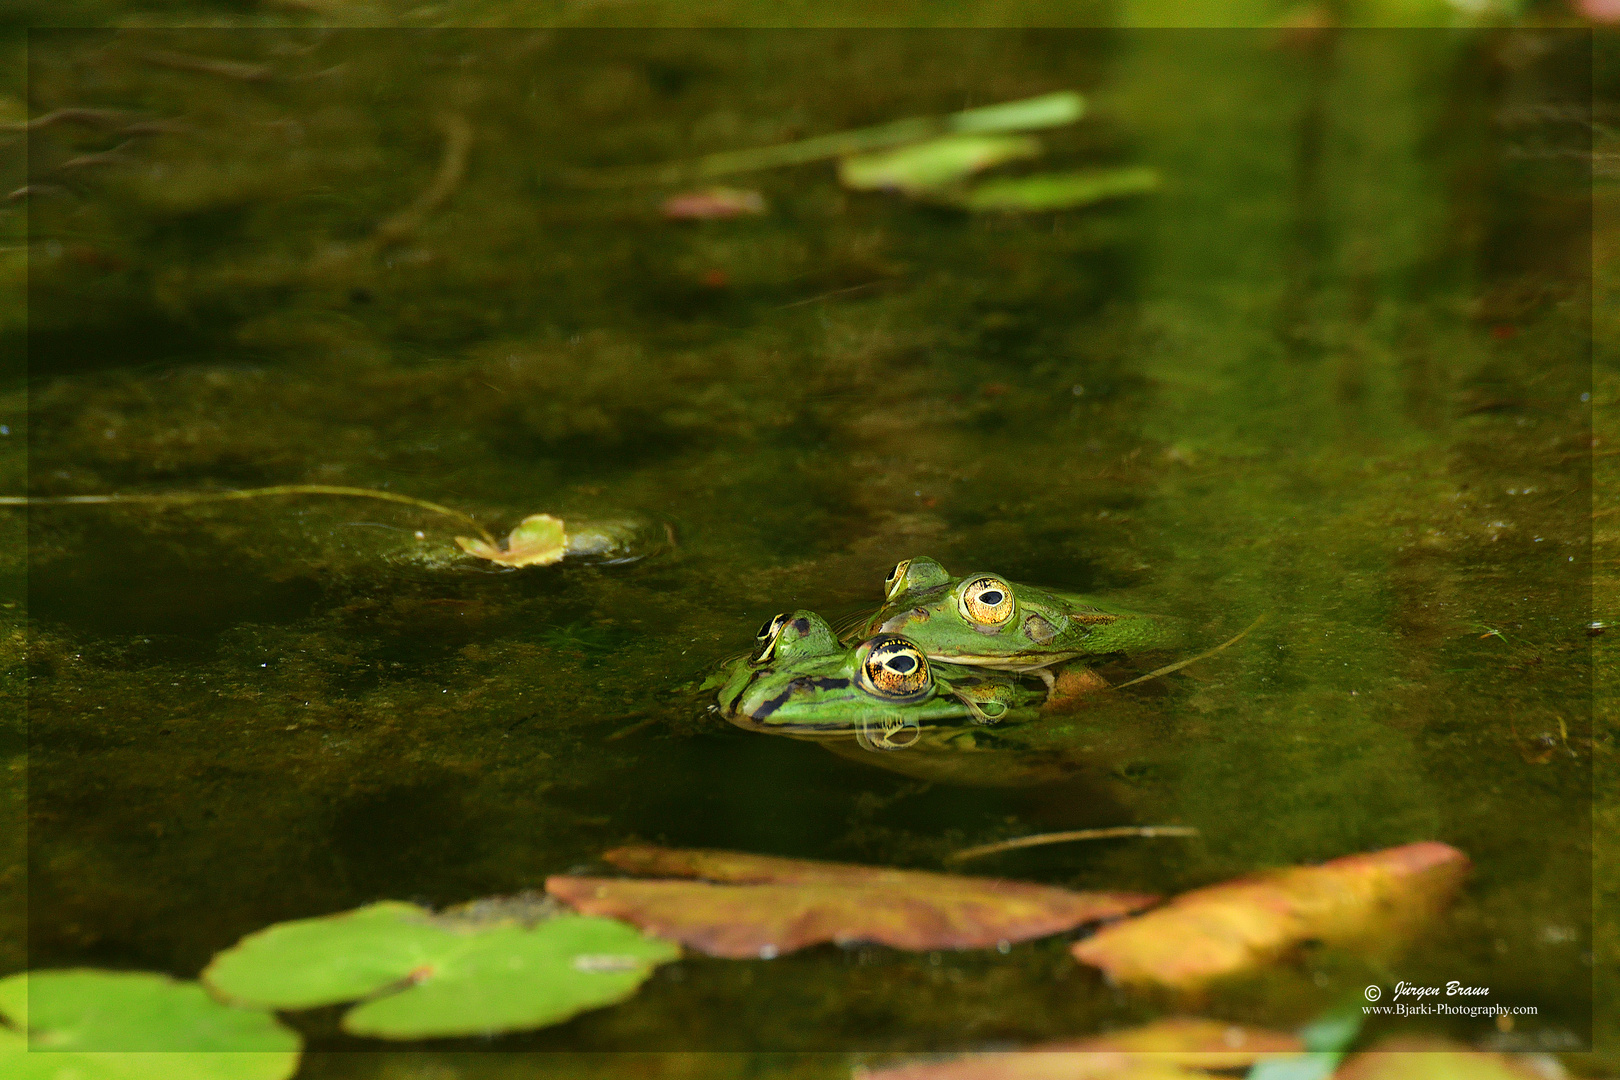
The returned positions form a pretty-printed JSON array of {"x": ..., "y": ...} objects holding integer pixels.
[{"x": 1016, "y": 662}]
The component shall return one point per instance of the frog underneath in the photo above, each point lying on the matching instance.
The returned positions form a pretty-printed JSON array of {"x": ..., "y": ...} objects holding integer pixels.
[{"x": 800, "y": 680}]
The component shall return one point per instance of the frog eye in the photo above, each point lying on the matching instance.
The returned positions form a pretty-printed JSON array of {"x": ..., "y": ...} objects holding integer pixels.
[
  {"x": 894, "y": 668},
  {"x": 766, "y": 638},
  {"x": 896, "y": 576},
  {"x": 986, "y": 601}
]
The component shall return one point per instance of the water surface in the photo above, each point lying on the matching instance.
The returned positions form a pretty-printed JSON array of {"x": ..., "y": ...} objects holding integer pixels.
[{"x": 1336, "y": 373}]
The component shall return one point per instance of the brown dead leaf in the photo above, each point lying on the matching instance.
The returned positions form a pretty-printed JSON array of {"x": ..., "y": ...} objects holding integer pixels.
[
  {"x": 717, "y": 203},
  {"x": 1168, "y": 1049},
  {"x": 767, "y": 906},
  {"x": 1435, "y": 1059},
  {"x": 1196, "y": 1043},
  {"x": 1039, "y": 1063},
  {"x": 1236, "y": 925}
]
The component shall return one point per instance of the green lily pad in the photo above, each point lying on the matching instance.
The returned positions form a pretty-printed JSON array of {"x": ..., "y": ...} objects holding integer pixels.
[
  {"x": 1059, "y": 191},
  {"x": 114, "y": 1025},
  {"x": 935, "y": 164},
  {"x": 428, "y": 976}
]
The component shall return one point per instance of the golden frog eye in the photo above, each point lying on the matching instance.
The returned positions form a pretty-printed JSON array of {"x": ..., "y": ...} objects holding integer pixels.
[
  {"x": 986, "y": 601},
  {"x": 766, "y": 638},
  {"x": 896, "y": 576},
  {"x": 894, "y": 668}
]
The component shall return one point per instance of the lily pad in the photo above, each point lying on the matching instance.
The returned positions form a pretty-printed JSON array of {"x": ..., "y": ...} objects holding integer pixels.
[
  {"x": 1228, "y": 928},
  {"x": 1059, "y": 191},
  {"x": 538, "y": 540},
  {"x": 115, "y": 1025},
  {"x": 428, "y": 976},
  {"x": 933, "y": 165},
  {"x": 767, "y": 906}
]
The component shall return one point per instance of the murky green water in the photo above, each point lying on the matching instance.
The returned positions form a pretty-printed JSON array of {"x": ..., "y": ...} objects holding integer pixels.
[{"x": 1335, "y": 373}]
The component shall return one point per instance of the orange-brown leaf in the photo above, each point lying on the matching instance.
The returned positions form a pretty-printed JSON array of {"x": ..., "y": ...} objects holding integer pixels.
[
  {"x": 1227, "y": 928},
  {"x": 1038, "y": 1063},
  {"x": 1199, "y": 1044},
  {"x": 1435, "y": 1059},
  {"x": 767, "y": 906}
]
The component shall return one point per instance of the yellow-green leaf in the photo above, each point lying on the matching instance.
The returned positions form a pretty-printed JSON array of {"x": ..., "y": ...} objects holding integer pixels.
[
  {"x": 539, "y": 540},
  {"x": 1059, "y": 191},
  {"x": 935, "y": 164}
]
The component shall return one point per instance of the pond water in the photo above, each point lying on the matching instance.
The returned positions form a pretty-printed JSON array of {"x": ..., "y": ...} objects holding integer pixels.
[{"x": 1335, "y": 372}]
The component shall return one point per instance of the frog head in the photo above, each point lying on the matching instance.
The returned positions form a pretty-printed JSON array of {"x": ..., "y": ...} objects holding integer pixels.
[
  {"x": 983, "y": 620},
  {"x": 799, "y": 680}
]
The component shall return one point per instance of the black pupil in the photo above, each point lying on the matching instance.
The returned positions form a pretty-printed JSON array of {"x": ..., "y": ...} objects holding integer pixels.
[
  {"x": 895, "y": 572},
  {"x": 902, "y": 664},
  {"x": 765, "y": 630},
  {"x": 991, "y": 597}
]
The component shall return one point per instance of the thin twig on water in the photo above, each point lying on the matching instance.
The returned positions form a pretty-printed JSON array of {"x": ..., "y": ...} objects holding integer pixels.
[
  {"x": 184, "y": 498},
  {"x": 1179, "y": 664},
  {"x": 1109, "y": 833}
]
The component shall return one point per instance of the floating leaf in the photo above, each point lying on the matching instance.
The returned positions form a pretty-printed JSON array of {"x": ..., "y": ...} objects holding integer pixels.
[
  {"x": 1201, "y": 1044},
  {"x": 1048, "y": 110},
  {"x": 1059, "y": 191},
  {"x": 538, "y": 540},
  {"x": 930, "y": 166},
  {"x": 1435, "y": 1059},
  {"x": 1326, "y": 1037},
  {"x": 1234, "y": 926},
  {"x": 125, "y": 1025},
  {"x": 1164, "y": 1049},
  {"x": 769, "y": 906},
  {"x": 1038, "y": 1063},
  {"x": 438, "y": 976},
  {"x": 717, "y": 203}
]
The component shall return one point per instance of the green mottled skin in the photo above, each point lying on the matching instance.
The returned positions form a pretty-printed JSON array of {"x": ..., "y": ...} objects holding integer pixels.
[
  {"x": 923, "y": 606},
  {"x": 807, "y": 685}
]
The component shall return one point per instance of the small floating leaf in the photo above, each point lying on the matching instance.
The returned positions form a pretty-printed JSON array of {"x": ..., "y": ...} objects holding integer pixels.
[
  {"x": 1059, "y": 191},
  {"x": 538, "y": 540},
  {"x": 717, "y": 203},
  {"x": 1234, "y": 926},
  {"x": 1161, "y": 1050},
  {"x": 935, "y": 164},
  {"x": 438, "y": 976},
  {"x": 118, "y": 1025},
  {"x": 1048, "y": 110},
  {"x": 768, "y": 906}
]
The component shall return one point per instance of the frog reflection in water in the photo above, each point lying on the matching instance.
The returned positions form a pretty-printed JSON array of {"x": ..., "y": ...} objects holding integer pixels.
[
  {"x": 884, "y": 692},
  {"x": 985, "y": 621}
]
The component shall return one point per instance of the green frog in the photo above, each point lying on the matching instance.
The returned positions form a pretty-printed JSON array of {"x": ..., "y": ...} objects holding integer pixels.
[
  {"x": 884, "y": 691},
  {"x": 986, "y": 621}
]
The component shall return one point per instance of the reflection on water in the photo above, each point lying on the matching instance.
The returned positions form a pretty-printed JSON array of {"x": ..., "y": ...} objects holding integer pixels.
[{"x": 1335, "y": 371}]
